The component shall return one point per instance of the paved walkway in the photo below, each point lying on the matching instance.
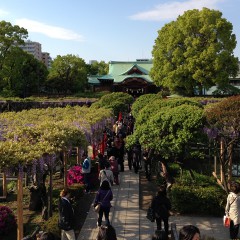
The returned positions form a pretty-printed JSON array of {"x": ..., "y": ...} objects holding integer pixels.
[{"x": 130, "y": 222}]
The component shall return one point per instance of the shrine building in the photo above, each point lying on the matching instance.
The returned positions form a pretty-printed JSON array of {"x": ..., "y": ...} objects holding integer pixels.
[{"x": 125, "y": 76}]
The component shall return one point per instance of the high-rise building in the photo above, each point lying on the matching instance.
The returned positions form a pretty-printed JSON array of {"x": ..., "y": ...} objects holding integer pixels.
[
  {"x": 35, "y": 48},
  {"x": 47, "y": 60}
]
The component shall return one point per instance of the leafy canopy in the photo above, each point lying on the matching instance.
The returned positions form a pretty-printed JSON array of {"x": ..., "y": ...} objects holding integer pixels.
[{"x": 194, "y": 52}]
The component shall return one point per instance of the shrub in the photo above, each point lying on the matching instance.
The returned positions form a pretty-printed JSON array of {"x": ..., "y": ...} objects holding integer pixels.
[
  {"x": 116, "y": 101},
  {"x": 51, "y": 225},
  {"x": 198, "y": 200},
  {"x": 77, "y": 190},
  {"x": 7, "y": 221}
]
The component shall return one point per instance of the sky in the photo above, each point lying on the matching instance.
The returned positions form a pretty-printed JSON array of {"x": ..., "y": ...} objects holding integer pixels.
[{"x": 105, "y": 30}]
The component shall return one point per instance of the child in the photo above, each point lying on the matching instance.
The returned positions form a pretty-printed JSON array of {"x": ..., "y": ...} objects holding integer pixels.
[{"x": 114, "y": 167}]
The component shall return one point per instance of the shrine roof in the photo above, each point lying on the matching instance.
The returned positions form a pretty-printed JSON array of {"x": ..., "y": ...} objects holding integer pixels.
[
  {"x": 120, "y": 68},
  {"x": 120, "y": 71}
]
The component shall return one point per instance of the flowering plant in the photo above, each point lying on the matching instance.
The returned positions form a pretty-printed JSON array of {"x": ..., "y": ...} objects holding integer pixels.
[
  {"x": 75, "y": 175},
  {"x": 7, "y": 220}
]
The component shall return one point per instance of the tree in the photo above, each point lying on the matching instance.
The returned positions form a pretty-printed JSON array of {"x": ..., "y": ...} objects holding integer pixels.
[
  {"x": 194, "y": 52},
  {"x": 10, "y": 37},
  {"x": 69, "y": 72},
  {"x": 117, "y": 102},
  {"x": 22, "y": 74},
  {"x": 171, "y": 128},
  {"x": 98, "y": 68},
  {"x": 223, "y": 128}
]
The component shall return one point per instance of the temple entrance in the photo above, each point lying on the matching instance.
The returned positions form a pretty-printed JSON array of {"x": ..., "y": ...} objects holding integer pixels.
[{"x": 135, "y": 86}]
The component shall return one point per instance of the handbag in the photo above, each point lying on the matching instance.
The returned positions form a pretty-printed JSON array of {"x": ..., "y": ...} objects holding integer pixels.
[
  {"x": 97, "y": 208},
  {"x": 226, "y": 221},
  {"x": 150, "y": 214}
]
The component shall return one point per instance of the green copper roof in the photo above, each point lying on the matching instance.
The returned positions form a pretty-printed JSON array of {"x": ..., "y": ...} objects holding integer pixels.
[
  {"x": 119, "y": 68},
  {"x": 119, "y": 71}
]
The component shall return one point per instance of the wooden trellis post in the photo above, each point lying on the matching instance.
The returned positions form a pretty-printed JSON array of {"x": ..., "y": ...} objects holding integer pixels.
[
  {"x": 65, "y": 168},
  {"x": 78, "y": 155},
  {"x": 19, "y": 207},
  {"x": 223, "y": 158},
  {"x": 4, "y": 178}
]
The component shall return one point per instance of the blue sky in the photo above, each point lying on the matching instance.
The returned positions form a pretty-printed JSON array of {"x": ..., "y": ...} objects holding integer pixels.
[{"x": 107, "y": 30}]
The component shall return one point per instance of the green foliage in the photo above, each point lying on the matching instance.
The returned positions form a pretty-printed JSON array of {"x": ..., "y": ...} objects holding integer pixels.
[
  {"x": 228, "y": 90},
  {"x": 68, "y": 74},
  {"x": 168, "y": 125},
  {"x": 89, "y": 94},
  {"x": 117, "y": 101},
  {"x": 23, "y": 75},
  {"x": 29, "y": 134},
  {"x": 171, "y": 129},
  {"x": 198, "y": 200},
  {"x": 130, "y": 141},
  {"x": 193, "y": 52},
  {"x": 142, "y": 101},
  {"x": 77, "y": 191},
  {"x": 98, "y": 68},
  {"x": 51, "y": 225},
  {"x": 222, "y": 124},
  {"x": 199, "y": 179},
  {"x": 11, "y": 35},
  {"x": 12, "y": 186}
]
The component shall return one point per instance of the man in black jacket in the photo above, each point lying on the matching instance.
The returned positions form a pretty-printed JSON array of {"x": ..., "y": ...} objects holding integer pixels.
[
  {"x": 161, "y": 206},
  {"x": 66, "y": 216}
]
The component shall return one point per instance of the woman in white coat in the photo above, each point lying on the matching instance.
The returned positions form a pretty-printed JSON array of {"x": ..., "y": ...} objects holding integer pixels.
[{"x": 233, "y": 209}]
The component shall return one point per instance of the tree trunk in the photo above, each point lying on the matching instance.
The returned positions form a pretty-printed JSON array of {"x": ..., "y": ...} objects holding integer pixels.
[
  {"x": 20, "y": 208},
  {"x": 222, "y": 157},
  {"x": 50, "y": 193},
  {"x": 230, "y": 150}
]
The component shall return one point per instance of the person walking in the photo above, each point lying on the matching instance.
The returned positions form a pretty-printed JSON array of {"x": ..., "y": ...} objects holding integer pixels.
[
  {"x": 86, "y": 171},
  {"x": 189, "y": 232},
  {"x": 161, "y": 206},
  {"x": 101, "y": 161},
  {"x": 106, "y": 174},
  {"x": 66, "y": 216},
  {"x": 232, "y": 209},
  {"x": 114, "y": 167},
  {"x": 104, "y": 197}
]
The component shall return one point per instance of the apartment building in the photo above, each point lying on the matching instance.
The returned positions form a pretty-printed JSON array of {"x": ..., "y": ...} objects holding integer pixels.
[
  {"x": 46, "y": 58},
  {"x": 35, "y": 48}
]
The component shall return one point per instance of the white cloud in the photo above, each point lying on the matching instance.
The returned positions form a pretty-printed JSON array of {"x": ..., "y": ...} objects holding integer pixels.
[
  {"x": 48, "y": 30},
  {"x": 168, "y": 11}
]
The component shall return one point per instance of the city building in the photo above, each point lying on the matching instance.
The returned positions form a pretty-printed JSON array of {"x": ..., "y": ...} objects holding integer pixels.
[
  {"x": 47, "y": 60},
  {"x": 35, "y": 48}
]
